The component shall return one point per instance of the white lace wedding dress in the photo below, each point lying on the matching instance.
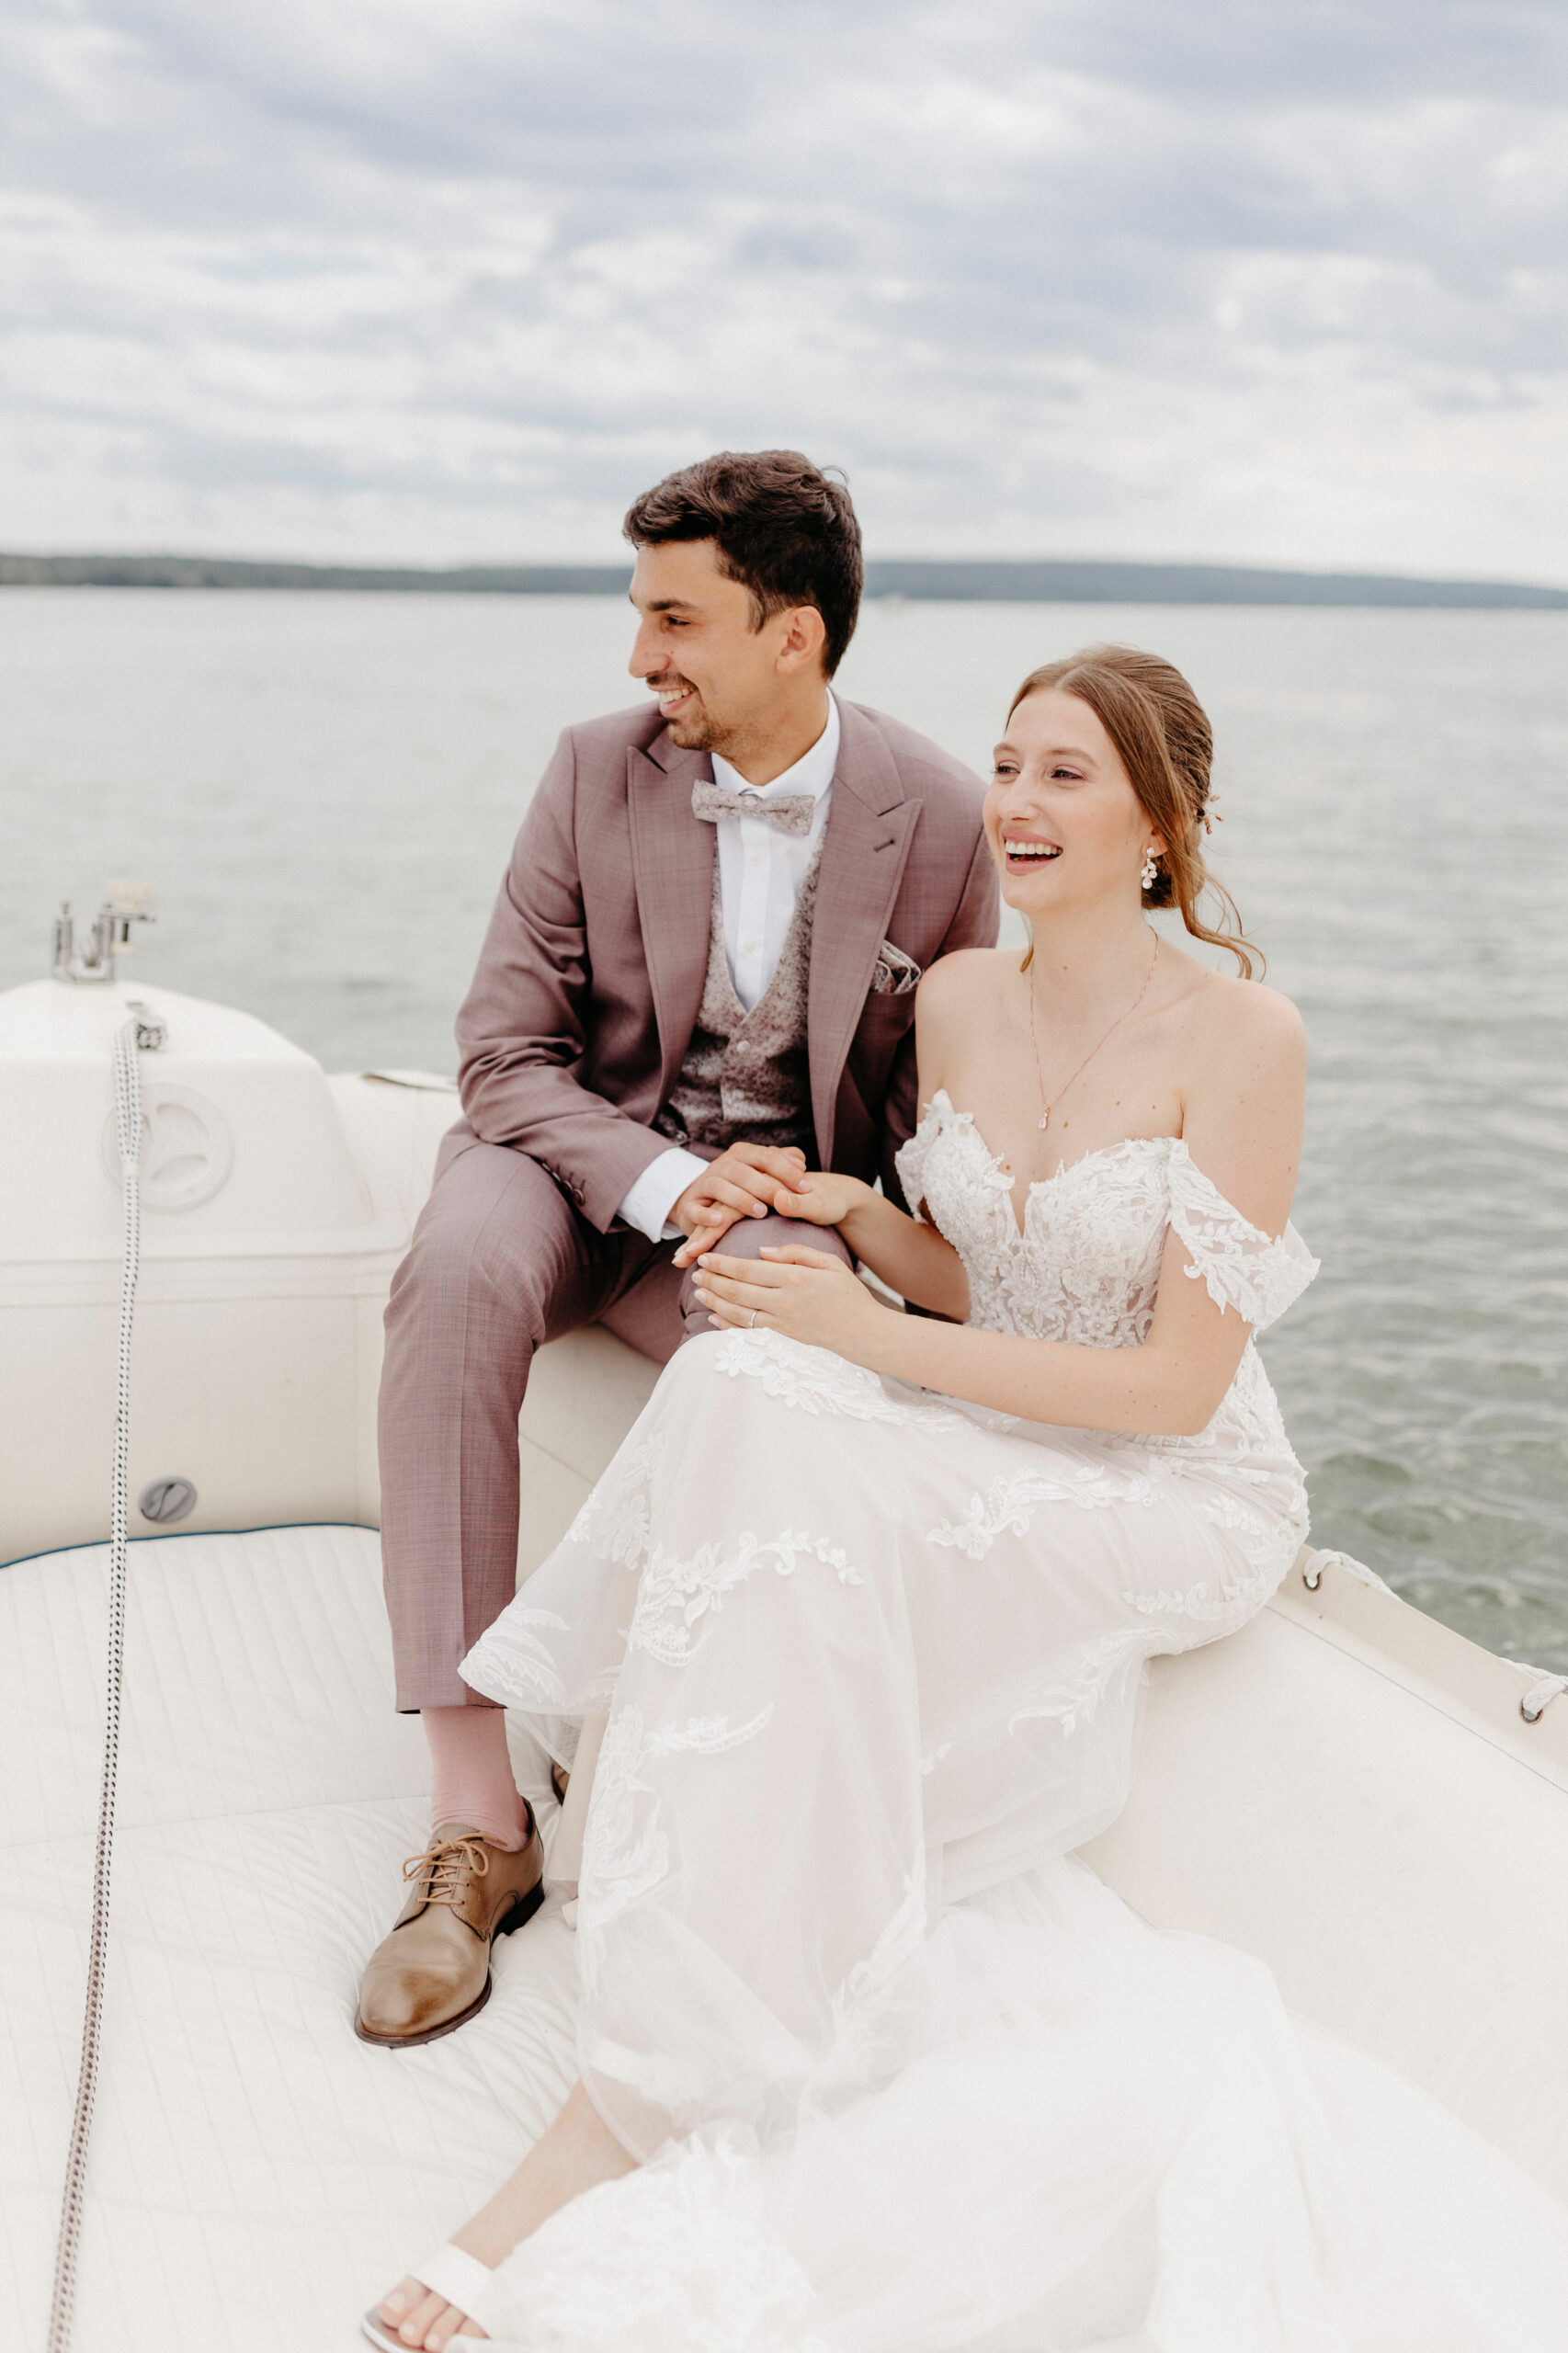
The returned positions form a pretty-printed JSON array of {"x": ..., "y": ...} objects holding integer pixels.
[{"x": 906, "y": 2075}]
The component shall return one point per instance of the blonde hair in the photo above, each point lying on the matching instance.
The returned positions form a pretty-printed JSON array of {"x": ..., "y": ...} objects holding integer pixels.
[{"x": 1165, "y": 742}]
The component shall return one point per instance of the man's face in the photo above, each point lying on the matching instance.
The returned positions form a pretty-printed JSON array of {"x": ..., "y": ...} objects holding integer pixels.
[{"x": 717, "y": 676}]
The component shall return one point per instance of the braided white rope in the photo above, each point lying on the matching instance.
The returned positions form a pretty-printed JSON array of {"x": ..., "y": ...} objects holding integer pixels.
[
  {"x": 1545, "y": 1688},
  {"x": 127, "y": 1128}
]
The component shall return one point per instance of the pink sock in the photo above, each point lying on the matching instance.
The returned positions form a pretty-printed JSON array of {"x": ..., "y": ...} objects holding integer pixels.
[{"x": 471, "y": 1773}]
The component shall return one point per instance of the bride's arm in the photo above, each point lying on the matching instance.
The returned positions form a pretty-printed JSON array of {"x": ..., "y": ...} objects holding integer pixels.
[
  {"x": 1242, "y": 1120},
  {"x": 1242, "y": 1124},
  {"x": 911, "y": 1258}
]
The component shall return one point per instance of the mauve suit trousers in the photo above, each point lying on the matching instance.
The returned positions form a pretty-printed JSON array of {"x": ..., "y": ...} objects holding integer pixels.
[
  {"x": 588, "y": 985},
  {"x": 500, "y": 1263}
]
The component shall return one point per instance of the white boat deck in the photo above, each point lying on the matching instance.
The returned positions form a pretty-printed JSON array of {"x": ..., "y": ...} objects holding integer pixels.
[
  {"x": 1345, "y": 1789},
  {"x": 257, "y": 2176}
]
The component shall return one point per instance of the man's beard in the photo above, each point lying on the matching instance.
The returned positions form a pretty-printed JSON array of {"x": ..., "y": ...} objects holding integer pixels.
[{"x": 698, "y": 731}]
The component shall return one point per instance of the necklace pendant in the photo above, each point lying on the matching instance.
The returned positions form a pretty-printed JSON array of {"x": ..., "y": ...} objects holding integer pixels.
[{"x": 1045, "y": 1116}]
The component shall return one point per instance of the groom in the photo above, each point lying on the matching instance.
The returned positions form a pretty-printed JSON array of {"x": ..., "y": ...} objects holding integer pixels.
[{"x": 698, "y": 982}]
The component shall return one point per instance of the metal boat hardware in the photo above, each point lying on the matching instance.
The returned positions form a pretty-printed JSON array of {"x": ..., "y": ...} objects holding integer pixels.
[{"x": 94, "y": 959}]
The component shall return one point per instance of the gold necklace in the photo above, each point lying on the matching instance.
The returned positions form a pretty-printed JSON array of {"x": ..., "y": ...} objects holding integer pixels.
[{"x": 1088, "y": 1058}]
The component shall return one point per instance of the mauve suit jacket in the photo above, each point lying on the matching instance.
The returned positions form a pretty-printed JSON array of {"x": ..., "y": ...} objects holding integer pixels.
[{"x": 591, "y": 974}]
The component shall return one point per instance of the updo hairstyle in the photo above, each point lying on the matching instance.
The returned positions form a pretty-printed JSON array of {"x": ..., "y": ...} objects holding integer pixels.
[{"x": 1165, "y": 742}]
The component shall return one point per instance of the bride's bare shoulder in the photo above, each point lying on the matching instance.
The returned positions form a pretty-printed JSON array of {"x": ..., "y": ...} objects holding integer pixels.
[
  {"x": 1231, "y": 1017},
  {"x": 957, "y": 993},
  {"x": 965, "y": 981}
]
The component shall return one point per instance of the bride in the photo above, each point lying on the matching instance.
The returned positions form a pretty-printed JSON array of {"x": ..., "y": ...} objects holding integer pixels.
[{"x": 866, "y": 2058}]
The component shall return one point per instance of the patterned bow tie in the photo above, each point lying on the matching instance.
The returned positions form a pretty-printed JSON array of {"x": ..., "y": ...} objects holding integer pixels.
[{"x": 792, "y": 813}]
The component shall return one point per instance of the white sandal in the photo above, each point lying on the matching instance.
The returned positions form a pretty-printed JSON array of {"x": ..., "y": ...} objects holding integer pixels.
[{"x": 449, "y": 2271}]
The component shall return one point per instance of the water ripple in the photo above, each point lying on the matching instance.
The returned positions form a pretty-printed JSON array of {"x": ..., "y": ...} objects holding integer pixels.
[{"x": 323, "y": 789}]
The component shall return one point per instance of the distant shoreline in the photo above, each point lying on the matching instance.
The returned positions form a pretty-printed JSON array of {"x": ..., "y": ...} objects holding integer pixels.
[{"x": 1086, "y": 581}]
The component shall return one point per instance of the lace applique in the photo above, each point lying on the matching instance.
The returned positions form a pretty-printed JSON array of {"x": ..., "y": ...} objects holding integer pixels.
[
  {"x": 1267, "y": 1545},
  {"x": 1010, "y": 1503},
  {"x": 1085, "y": 1264},
  {"x": 617, "y": 1516},
  {"x": 1074, "y": 1698},
  {"x": 941, "y": 1117},
  {"x": 713, "y": 1667},
  {"x": 1240, "y": 1265},
  {"x": 625, "y": 1851},
  {"x": 675, "y": 1595},
  {"x": 511, "y": 1656},
  {"x": 594, "y": 1697},
  {"x": 1085, "y": 1267},
  {"x": 813, "y": 1380},
  {"x": 693, "y": 2271},
  {"x": 622, "y": 1858},
  {"x": 1202, "y": 1605},
  {"x": 707, "y": 1735}
]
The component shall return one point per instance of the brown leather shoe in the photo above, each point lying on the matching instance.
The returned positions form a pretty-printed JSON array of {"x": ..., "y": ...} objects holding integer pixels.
[{"x": 432, "y": 1972}]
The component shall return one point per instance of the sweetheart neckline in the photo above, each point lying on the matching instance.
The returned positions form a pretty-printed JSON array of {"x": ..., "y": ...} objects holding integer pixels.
[{"x": 1040, "y": 1183}]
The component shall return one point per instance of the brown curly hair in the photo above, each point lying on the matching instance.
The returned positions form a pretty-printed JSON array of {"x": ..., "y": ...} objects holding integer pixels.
[{"x": 1164, "y": 740}]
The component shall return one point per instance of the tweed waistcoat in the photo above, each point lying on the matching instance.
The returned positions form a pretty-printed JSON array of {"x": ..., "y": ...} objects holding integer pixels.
[{"x": 746, "y": 1074}]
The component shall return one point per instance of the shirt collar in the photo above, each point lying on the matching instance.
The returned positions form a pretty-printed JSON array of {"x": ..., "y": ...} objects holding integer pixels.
[{"x": 812, "y": 772}]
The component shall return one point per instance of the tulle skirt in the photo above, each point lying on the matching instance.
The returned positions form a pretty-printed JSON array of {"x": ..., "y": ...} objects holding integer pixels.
[{"x": 900, "y": 2073}]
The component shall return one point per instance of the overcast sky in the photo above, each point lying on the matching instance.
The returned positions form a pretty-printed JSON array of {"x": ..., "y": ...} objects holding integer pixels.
[{"x": 433, "y": 280}]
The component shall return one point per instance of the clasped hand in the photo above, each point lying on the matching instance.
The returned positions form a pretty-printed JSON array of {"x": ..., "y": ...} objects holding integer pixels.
[
  {"x": 807, "y": 1294},
  {"x": 750, "y": 1180},
  {"x": 747, "y": 1180}
]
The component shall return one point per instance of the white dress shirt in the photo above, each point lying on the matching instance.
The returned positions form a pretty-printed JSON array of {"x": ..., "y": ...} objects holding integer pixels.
[{"x": 760, "y": 873}]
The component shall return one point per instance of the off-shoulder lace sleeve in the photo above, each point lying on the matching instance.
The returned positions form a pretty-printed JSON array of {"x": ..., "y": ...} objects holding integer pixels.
[
  {"x": 911, "y": 1157},
  {"x": 1241, "y": 1266}
]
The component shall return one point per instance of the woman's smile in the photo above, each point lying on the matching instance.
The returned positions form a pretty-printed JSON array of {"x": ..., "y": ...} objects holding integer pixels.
[{"x": 1022, "y": 852}]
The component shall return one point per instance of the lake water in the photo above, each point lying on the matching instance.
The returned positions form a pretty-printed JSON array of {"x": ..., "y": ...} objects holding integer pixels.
[{"x": 323, "y": 790}]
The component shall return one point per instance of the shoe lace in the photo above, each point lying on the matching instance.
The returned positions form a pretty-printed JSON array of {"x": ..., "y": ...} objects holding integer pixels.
[{"x": 444, "y": 1865}]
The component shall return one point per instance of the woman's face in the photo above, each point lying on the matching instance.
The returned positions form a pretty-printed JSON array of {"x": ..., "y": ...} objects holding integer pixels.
[{"x": 1065, "y": 827}]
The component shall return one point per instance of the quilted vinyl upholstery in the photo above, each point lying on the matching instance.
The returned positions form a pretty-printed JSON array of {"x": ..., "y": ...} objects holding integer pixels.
[{"x": 257, "y": 2177}]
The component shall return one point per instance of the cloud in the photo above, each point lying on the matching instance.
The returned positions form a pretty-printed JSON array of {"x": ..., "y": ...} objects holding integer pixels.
[{"x": 1283, "y": 282}]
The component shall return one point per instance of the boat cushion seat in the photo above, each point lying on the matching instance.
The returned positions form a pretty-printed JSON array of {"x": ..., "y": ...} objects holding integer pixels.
[{"x": 257, "y": 2177}]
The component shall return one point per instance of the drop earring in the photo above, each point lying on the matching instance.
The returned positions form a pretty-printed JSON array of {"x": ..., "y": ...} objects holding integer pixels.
[{"x": 1150, "y": 873}]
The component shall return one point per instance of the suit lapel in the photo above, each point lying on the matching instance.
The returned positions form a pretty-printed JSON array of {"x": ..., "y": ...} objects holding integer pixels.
[
  {"x": 869, "y": 825},
  {"x": 672, "y": 862}
]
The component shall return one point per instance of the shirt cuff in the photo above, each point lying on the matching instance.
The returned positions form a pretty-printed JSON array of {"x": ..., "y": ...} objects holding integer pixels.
[{"x": 648, "y": 1205}]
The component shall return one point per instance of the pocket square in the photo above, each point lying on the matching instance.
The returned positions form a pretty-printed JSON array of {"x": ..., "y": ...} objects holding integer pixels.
[{"x": 894, "y": 974}]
